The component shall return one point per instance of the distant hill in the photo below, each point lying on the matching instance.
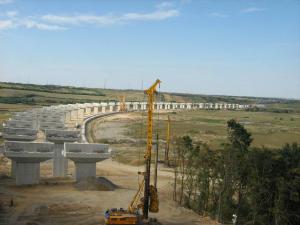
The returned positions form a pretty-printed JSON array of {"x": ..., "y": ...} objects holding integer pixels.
[{"x": 33, "y": 94}]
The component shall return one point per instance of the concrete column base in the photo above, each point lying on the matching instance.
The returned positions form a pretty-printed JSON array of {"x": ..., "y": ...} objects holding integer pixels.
[
  {"x": 27, "y": 173},
  {"x": 84, "y": 171},
  {"x": 60, "y": 163},
  {"x": 13, "y": 168}
]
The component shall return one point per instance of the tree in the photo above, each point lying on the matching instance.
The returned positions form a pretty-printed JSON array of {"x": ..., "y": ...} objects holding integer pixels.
[
  {"x": 240, "y": 140},
  {"x": 183, "y": 145}
]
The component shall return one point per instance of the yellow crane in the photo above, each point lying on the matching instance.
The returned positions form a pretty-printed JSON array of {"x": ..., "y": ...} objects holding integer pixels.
[
  {"x": 122, "y": 103},
  {"x": 131, "y": 215},
  {"x": 167, "y": 161}
]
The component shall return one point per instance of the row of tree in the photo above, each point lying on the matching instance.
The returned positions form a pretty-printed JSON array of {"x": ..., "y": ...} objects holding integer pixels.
[{"x": 238, "y": 184}]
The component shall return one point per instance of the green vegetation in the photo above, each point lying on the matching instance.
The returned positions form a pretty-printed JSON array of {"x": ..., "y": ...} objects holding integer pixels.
[
  {"x": 52, "y": 89},
  {"x": 33, "y": 94},
  {"x": 268, "y": 129},
  {"x": 258, "y": 185}
]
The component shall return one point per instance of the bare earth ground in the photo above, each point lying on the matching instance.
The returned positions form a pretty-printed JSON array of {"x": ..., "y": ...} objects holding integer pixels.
[{"x": 58, "y": 201}]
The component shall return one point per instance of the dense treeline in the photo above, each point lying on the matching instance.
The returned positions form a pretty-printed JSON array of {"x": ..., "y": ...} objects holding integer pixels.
[{"x": 257, "y": 185}]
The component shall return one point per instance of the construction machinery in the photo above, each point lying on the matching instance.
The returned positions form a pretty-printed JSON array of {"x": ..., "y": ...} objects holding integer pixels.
[
  {"x": 149, "y": 201},
  {"x": 122, "y": 103},
  {"x": 166, "y": 160}
]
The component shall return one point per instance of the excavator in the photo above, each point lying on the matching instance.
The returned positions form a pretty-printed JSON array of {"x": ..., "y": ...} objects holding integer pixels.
[{"x": 146, "y": 198}]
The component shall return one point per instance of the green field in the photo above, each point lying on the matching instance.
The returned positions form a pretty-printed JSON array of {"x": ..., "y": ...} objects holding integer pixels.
[
  {"x": 271, "y": 126},
  {"x": 36, "y": 95},
  {"x": 268, "y": 129}
]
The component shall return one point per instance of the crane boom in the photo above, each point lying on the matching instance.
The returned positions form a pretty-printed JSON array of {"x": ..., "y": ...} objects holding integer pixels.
[{"x": 150, "y": 93}]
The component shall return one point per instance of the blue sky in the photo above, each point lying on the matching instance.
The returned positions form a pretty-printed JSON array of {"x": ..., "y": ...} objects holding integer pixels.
[{"x": 230, "y": 47}]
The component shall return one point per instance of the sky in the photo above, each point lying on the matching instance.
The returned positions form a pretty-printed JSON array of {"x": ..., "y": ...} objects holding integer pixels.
[{"x": 219, "y": 47}]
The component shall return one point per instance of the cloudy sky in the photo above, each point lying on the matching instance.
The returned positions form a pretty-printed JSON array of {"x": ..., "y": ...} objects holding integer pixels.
[{"x": 231, "y": 47}]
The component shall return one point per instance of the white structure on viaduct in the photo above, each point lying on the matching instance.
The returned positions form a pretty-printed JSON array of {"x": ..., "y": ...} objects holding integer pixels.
[{"x": 57, "y": 133}]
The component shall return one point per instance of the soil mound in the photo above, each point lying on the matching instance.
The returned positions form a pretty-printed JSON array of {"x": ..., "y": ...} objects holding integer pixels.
[{"x": 96, "y": 184}]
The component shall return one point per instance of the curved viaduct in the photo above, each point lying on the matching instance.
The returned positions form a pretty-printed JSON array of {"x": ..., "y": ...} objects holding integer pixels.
[{"x": 58, "y": 133}]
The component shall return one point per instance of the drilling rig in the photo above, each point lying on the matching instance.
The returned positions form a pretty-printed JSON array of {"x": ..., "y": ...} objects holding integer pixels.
[
  {"x": 167, "y": 160},
  {"x": 122, "y": 103},
  {"x": 148, "y": 202}
]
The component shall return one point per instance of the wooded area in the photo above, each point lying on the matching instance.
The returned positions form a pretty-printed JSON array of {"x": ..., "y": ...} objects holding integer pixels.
[{"x": 255, "y": 185}]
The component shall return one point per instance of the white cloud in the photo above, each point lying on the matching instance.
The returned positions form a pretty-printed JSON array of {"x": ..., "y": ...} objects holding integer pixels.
[
  {"x": 27, "y": 23},
  {"x": 219, "y": 15},
  {"x": 6, "y": 24},
  {"x": 40, "y": 26},
  {"x": 53, "y": 22},
  {"x": 164, "y": 5},
  {"x": 2, "y": 2},
  {"x": 157, "y": 15},
  {"x": 252, "y": 10},
  {"x": 110, "y": 19},
  {"x": 11, "y": 13},
  {"x": 79, "y": 19}
]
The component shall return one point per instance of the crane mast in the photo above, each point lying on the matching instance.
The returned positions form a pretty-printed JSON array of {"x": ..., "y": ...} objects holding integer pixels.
[
  {"x": 150, "y": 93},
  {"x": 167, "y": 143},
  {"x": 122, "y": 103},
  {"x": 150, "y": 201}
]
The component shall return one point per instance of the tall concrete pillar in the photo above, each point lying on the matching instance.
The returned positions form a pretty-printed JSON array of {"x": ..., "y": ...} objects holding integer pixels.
[
  {"x": 60, "y": 163},
  {"x": 80, "y": 115},
  {"x": 73, "y": 115},
  {"x": 59, "y": 137},
  {"x": 26, "y": 158},
  {"x": 84, "y": 170},
  {"x": 87, "y": 111},
  {"x": 68, "y": 116},
  {"x": 27, "y": 173},
  {"x": 13, "y": 168},
  {"x": 95, "y": 109},
  {"x": 85, "y": 157}
]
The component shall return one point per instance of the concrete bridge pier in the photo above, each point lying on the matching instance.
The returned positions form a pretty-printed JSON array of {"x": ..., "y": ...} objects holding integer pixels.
[
  {"x": 26, "y": 158},
  {"x": 13, "y": 168},
  {"x": 85, "y": 157},
  {"x": 27, "y": 173},
  {"x": 59, "y": 137},
  {"x": 84, "y": 170},
  {"x": 60, "y": 163},
  {"x": 95, "y": 111}
]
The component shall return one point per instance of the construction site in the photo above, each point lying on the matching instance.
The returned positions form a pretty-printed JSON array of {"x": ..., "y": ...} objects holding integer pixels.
[
  {"x": 77, "y": 163},
  {"x": 157, "y": 112},
  {"x": 54, "y": 173}
]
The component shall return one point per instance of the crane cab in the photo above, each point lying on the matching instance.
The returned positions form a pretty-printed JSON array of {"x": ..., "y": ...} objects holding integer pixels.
[{"x": 120, "y": 216}]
